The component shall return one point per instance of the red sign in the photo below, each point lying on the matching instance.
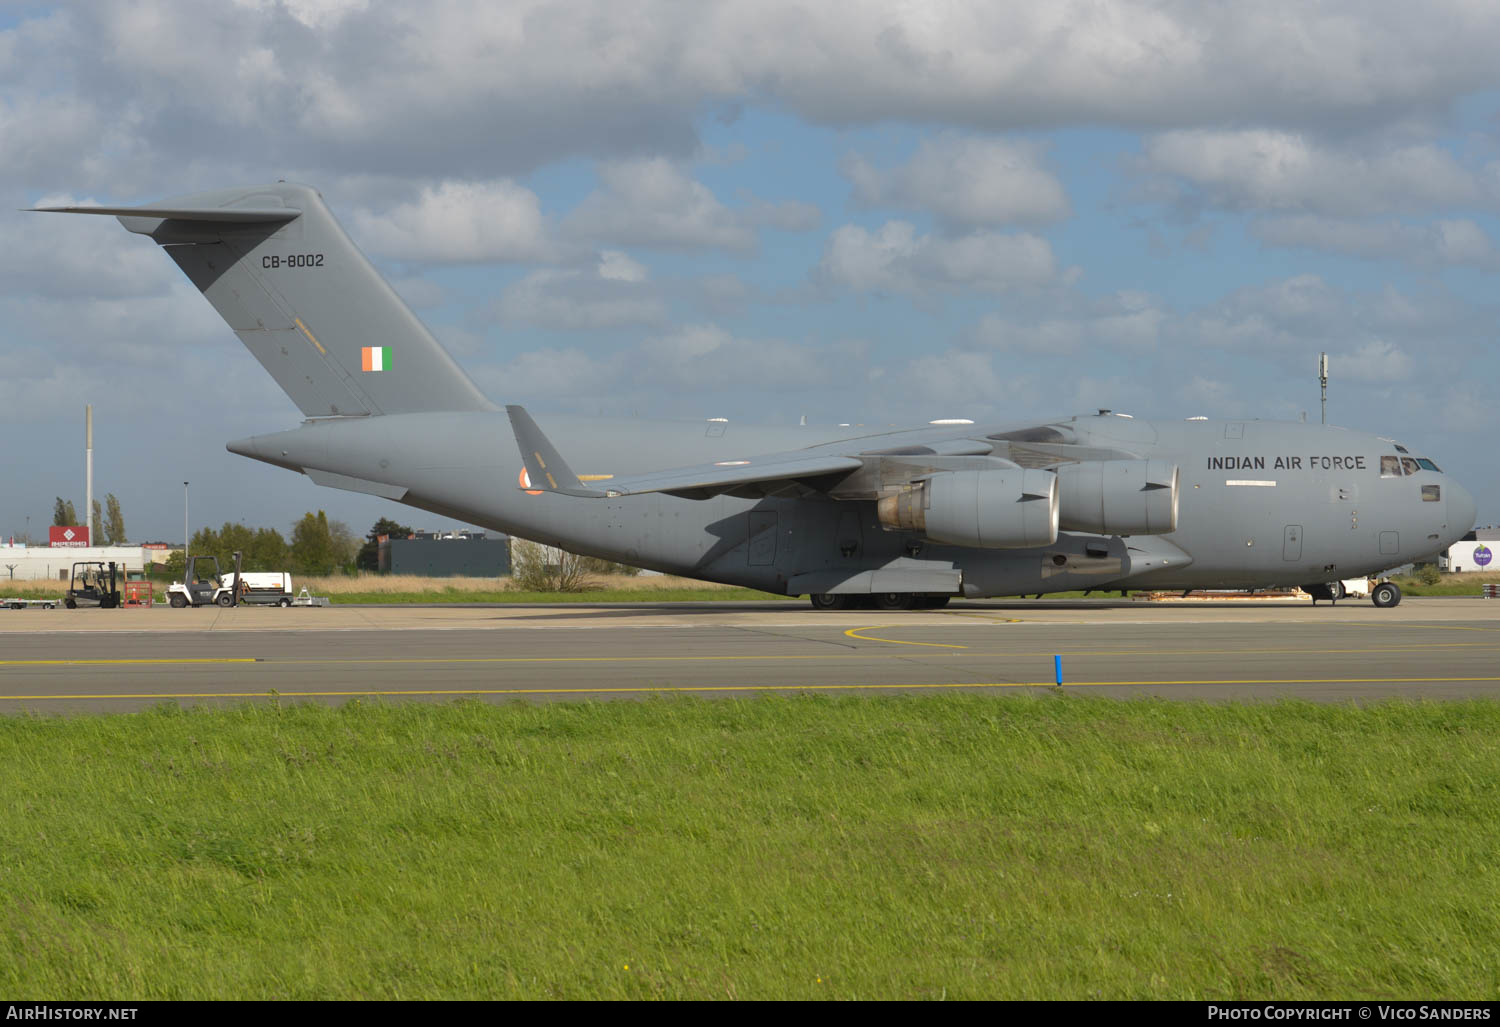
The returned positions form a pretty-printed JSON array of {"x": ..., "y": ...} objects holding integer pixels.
[
  {"x": 67, "y": 536},
  {"x": 155, "y": 545}
]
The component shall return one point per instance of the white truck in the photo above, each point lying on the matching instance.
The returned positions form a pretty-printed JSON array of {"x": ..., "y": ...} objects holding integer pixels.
[{"x": 204, "y": 585}]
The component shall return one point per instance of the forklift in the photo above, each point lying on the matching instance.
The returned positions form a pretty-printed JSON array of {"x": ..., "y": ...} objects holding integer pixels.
[
  {"x": 201, "y": 586},
  {"x": 95, "y": 583}
]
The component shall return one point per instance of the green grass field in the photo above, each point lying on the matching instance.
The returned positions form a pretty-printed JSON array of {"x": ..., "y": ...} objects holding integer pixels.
[{"x": 959, "y": 846}]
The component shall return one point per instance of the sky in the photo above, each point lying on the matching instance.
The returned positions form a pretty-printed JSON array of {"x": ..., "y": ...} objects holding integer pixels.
[{"x": 879, "y": 213}]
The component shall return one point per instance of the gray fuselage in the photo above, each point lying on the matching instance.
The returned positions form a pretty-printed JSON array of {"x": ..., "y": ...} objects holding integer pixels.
[{"x": 1261, "y": 503}]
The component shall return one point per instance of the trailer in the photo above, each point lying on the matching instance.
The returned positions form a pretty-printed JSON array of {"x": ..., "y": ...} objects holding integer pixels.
[
  {"x": 303, "y": 599},
  {"x": 29, "y": 604}
]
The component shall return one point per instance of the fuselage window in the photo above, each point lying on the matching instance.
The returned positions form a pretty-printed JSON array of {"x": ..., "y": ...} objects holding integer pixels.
[
  {"x": 1390, "y": 467},
  {"x": 1409, "y": 465},
  {"x": 1426, "y": 464},
  {"x": 1432, "y": 493}
]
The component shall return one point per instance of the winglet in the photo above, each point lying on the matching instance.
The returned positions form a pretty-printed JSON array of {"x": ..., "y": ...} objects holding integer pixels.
[{"x": 545, "y": 467}]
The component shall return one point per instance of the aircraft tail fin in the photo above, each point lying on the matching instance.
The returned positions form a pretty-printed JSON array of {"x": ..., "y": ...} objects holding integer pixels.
[{"x": 304, "y": 300}]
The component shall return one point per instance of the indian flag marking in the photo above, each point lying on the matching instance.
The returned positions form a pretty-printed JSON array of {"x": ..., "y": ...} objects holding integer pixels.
[{"x": 376, "y": 358}]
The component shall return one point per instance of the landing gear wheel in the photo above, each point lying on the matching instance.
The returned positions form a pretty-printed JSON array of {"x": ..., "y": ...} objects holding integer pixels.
[
  {"x": 225, "y": 600},
  {"x": 177, "y": 601},
  {"x": 828, "y": 601},
  {"x": 894, "y": 600},
  {"x": 1386, "y": 595}
]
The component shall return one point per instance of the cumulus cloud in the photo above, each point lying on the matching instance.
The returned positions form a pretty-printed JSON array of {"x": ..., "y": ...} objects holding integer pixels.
[
  {"x": 1128, "y": 320},
  {"x": 706, "y": 356},
  {"x": 613, "y": 294},
  {"x": 477, "y": 90},
  {"x": 698, "y": 364},
  {"x": 651, "y": 202},
  {"x": 1376, "y": 361},
  {"x": 78, "y": 255},
  {"x": 460, "y": 221},
  {"x": 896, "y": 259},
  {"x": 1270, "y": 170},
  {"x": 965, "y": 181},
  {"x": 1448, "y": 242}
]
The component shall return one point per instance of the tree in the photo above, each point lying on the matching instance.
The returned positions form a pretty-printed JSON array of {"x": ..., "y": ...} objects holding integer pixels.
[
  {"x": 345, "y": 545},
  {"x": 114, "y": 521},
  {"x": 174, "y": 565},
  {"x": 96, "y": 525},
  {"x": 368, "y": 558},
  {"x": 538, "y": 568},
  {"x": 313, "y": 551},
  {"x": 264, "y": 549},
  {"x": 63, "y": 514}
]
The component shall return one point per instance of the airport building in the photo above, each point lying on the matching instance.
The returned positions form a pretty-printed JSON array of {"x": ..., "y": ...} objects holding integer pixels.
[
  {"x": 1477, "y": 552},
  {"x": 453, "y": 554},
  {"x": 20, "y": 562}
]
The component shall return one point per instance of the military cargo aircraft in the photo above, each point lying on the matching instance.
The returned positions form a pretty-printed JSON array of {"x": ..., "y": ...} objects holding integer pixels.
[{"x": 847, "y": 515}]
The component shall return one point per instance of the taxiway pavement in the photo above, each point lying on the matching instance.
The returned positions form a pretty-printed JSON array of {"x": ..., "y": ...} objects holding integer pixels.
[{"x": 99, "y": 660}]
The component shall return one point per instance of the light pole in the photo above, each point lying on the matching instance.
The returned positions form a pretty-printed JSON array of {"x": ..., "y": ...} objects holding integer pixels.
[{"x": 185, "y": 536}]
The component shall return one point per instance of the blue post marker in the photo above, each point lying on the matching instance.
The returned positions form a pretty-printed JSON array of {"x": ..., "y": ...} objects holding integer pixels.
[{"x": 1057, "y": 668}]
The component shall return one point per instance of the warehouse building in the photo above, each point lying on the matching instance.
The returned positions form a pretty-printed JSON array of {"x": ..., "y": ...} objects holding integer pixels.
[
  {"x": 1476, "y": 552},
  {"x": 451, "y": 554},
  {"x": 20, "y": 562}
]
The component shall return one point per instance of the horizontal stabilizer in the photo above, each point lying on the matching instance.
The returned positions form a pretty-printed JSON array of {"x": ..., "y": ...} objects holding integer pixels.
[{"x": 222, "y": 215}]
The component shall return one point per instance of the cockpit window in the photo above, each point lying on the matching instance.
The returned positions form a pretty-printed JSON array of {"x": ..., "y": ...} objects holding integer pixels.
[
  {"x": 1432, "y": 493},
  {"x": 1409, "y": 465},
  {"x": 1426, "y": 464},
  {"x": 1390, "y": 466}
]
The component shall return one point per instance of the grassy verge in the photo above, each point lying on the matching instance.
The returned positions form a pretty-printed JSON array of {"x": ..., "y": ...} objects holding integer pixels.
[
  {"x": 906, "y": 847},
  {"x": 1448, "y": 585}
]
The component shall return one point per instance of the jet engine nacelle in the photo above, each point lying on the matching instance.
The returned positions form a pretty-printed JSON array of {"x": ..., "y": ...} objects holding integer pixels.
[
  {"x": 1001, "y": 509},
  {"x": 1119, "y": 497}
]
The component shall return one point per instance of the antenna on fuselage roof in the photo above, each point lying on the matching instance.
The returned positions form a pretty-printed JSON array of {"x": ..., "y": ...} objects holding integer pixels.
[{"x": 1323, "y": 381}]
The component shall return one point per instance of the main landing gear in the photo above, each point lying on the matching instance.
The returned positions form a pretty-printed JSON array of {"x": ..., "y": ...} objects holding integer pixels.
[
  {"x": 1386, "y": 594},
  {"x": 879, "y": 600}
]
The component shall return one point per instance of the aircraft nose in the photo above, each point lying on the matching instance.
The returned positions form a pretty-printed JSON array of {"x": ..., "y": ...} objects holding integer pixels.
[{"x": 1462, "y": 510}]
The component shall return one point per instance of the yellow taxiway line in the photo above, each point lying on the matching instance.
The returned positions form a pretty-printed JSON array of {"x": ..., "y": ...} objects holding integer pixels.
[
  {"x": 855, "y": 633},
  {"x": 115, "y": 663}
]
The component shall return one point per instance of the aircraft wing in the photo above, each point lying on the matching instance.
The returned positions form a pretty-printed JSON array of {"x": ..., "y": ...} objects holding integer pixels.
[{"x": 757, "y": 476}]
